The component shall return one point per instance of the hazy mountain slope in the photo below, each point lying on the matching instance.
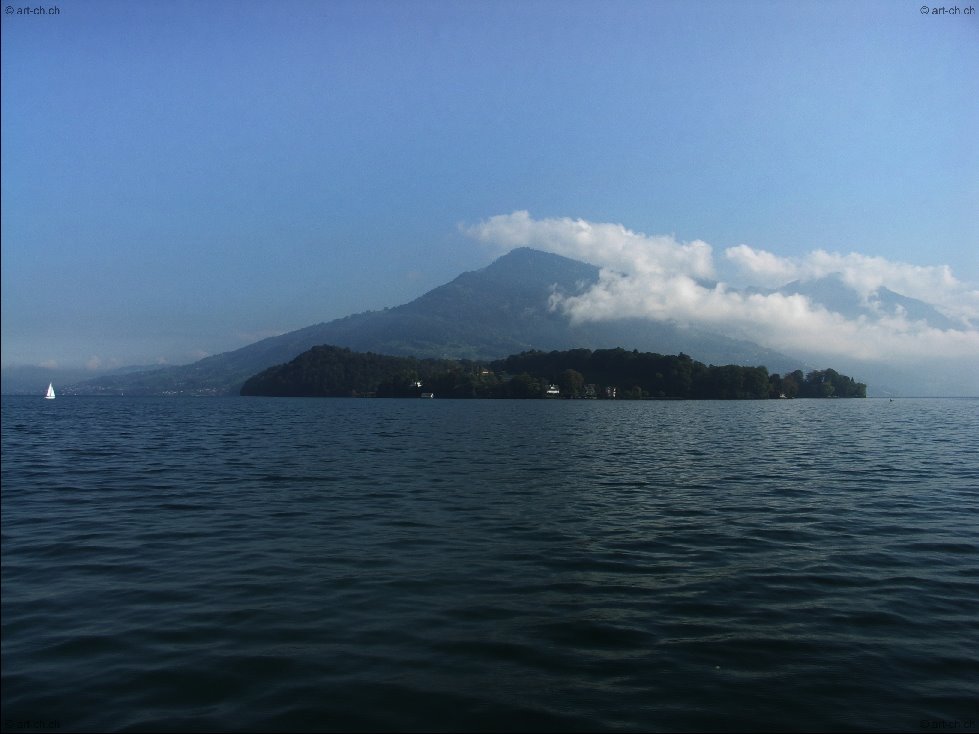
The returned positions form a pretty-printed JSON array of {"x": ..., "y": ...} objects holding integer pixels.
[
  {"x": 485, "y": 314},
  {"x": 833, "y": 293},
  {"x": 891, "y": 303},
  {"x": 34, "y": 379},
  {"x": 942, "y": 376}
]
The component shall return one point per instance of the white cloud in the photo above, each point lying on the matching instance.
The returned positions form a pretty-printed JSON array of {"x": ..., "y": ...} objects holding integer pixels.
[
  {"x": 790, "y": 323},
  {"x": 606, "y": 245},
  {"x": 655, "y": 277},
  {"x": 767, "y": 269},
  {"x": 933, "y": 284}
]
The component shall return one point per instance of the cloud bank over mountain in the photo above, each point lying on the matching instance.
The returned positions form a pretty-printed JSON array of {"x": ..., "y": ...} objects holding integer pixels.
[
  {"x": 661, "y": 278},
  {"x": 864, "y": 274},
  {"x": 605, "y": 245}
]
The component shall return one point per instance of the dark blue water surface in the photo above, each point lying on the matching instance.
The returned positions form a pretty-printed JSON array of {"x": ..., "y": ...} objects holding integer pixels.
[{"x": 426, "y": 565}]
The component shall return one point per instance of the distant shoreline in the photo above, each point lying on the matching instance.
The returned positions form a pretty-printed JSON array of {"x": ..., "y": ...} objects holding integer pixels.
[{"x": 603, "y": 374}]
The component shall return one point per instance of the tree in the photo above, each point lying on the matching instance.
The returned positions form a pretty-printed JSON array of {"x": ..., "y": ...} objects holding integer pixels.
[
  {"x": 792, "y": 384},
  {"x": 775, "y": 388},
  {"x": 571, "y": 383},
  {"x": 755, "y": 382},
  {"x": 524, "y": 386}
]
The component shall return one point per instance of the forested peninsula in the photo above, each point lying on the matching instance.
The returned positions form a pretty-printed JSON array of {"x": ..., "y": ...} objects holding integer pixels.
[{"x": 328, "y": 371}]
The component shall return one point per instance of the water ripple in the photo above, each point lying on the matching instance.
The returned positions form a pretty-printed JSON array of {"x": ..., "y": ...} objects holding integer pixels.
[{"x": 358, "y": 565}]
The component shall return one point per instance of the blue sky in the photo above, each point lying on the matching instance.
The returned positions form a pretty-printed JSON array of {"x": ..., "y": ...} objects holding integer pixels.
[{"x": 181, "y": 179}]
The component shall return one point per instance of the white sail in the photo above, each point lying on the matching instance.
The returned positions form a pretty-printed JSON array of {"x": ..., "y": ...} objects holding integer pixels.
[{"x": 50, "y": 395}]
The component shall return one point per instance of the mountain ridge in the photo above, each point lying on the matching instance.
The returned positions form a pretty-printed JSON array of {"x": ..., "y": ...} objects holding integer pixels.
[
  {"x": 505, "y": 308},
  {"x": 490, "y": 313},
  {"x": 831, "y": 292}
]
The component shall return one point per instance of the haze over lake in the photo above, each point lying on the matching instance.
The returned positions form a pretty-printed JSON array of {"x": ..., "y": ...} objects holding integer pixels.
[{"x": 331, "y": 564}]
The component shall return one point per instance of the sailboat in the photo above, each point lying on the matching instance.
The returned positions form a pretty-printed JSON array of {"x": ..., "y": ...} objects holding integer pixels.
[{"x": 50, "y": 394}]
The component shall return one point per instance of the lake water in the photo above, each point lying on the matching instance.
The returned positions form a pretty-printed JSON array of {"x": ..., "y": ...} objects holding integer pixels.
[{"x": 426, "y": 565}]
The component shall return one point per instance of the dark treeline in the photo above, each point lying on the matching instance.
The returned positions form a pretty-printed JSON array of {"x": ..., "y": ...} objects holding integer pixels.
[
  {"x": 328, "y": 371},
  {"x": 647, "y": 375},
  {"x": 579, "y": 373}
]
